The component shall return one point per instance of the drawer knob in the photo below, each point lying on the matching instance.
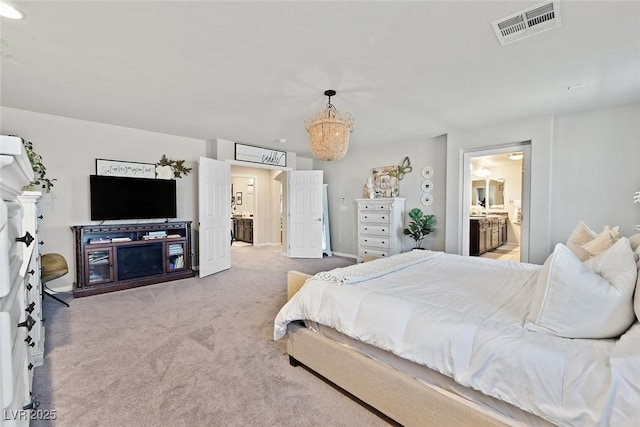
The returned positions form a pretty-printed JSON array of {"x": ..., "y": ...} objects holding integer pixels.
[
  {"x": 33, "y": 405},
  {"x": 30, "y": 307},
  {"x": 31, "y": 271},
  {"x": 28, "y": 323},
  {"x": 30, "y": 367},
  {"x": 29, "y": 286},
  {"x": 28, "y": 339},
  {"x": 26, "y": 239},
  {"x": 383, "y": 217},
  {"x": 40, "y": 216}
]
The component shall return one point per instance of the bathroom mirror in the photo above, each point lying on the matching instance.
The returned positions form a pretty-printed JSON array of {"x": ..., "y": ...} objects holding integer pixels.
[{"x": 495, "y": 193}]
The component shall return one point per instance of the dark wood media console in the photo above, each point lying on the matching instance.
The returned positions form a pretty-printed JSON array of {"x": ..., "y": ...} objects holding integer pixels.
[{"x": 121, "y": 256}]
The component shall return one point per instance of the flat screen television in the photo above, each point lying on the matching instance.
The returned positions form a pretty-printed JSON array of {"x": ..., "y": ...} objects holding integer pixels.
[{"x": 114, "y": 197}]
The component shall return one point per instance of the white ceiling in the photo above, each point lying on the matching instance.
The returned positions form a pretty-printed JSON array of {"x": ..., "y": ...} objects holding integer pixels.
[{"x": 253, "y": 71}]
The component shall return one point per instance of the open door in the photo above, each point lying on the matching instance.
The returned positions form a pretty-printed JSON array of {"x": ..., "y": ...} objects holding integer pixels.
[
  {"x": 214, "y": 211},
  {"x": 305, "y": 214}
]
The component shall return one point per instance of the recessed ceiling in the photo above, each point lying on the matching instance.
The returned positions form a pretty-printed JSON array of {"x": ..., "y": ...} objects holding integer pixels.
[{"x": 254, "y": 71}]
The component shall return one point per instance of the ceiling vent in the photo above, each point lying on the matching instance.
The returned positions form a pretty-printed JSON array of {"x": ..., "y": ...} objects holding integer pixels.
[{"x": 529, "y": 22}]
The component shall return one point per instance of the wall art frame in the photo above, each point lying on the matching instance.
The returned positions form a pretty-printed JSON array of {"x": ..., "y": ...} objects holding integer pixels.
[{"x": 127, "y": 169}]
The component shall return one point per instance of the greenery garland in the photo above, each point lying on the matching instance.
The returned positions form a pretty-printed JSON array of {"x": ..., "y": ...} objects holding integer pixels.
[{"x": 40, "y": 171}]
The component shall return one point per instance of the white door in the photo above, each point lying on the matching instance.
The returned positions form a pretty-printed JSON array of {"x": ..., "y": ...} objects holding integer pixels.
[
  {"x": 214, "y": 195},
  {"x": 305, "y": 214}
]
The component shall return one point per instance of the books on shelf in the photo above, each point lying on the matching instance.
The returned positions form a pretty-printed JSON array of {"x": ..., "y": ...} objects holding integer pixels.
[
  {"x": 153, "y": 235},
  {"x": 99, "y": 240},
  {"x": 148, "y": 237},
  {"x": 120, "y": 239},
  {"x": 175, "y": 250},
  {"x": 99, "y": 258},
  {"x": 177, "y": 262}
]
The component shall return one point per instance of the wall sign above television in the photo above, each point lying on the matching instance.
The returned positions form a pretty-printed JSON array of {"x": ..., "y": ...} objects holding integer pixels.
[
  {"x": 129, "y": 169},
  {"x": 265, "y": 156}
]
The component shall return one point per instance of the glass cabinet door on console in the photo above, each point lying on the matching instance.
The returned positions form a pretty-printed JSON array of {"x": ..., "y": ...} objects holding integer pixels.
[
  {"x": 175, "y": 256},
  {"x": 99, "y": 265}
]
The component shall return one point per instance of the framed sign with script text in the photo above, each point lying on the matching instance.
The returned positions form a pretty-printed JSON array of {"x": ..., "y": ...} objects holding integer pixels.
[
  {"x": 264, "y": 156},
  {"x": 130, "y": 169}
]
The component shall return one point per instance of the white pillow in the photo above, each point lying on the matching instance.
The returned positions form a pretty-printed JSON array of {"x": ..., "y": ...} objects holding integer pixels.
[{"x": 593, "y": 299}]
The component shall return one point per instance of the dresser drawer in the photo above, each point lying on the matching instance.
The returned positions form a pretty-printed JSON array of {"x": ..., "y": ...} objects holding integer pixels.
[
  {"x": 374, "y": 217},
  {"x": 14, "y": 230},
  {"x": 375, "y": 242},
  {"x": 373, "y": 206},
  {"x": 375, "y": 252},
  {"x": 15, "y": 363},
  {"x": 378, "y": 230}
]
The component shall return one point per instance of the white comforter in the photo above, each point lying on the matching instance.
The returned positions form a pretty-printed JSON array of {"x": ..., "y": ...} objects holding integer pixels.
[{"x": 463, "y": 317}]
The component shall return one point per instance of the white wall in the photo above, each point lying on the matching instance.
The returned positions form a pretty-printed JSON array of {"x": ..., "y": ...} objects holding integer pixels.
[
  {"x": 346, "y": 179},
  {"x": 596, "y": 170},
  {"x": 584, "y": 166},
  {"x": 69, "y": 149},
  {"x": 537, "y": 130}
]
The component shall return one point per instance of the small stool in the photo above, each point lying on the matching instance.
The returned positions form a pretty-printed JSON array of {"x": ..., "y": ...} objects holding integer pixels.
[{"x": 52, "y": 266}]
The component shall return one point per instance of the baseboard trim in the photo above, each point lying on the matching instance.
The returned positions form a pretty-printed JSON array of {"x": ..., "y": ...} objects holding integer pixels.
[{"x": 344, "y": 255}]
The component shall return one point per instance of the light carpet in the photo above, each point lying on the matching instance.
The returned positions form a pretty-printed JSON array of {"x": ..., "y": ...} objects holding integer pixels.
[{"x": 186, "y": 353}]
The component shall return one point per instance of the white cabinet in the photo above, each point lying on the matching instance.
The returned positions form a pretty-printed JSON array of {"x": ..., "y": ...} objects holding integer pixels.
[
  {"x": 31, "y": 272},
  {"x": 20, "y": 302},
  {"x": 380, "y": 227}
]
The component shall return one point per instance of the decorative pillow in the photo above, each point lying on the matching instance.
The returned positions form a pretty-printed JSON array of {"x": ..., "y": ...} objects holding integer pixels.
[
  {"x": 602, "y": 241},
  {"x": 586, "y": 243},
  {"x": 579, "y": 251},
  {"x": 585, "y": 300},
  {"x": 581, "y": 234},
  {"x": 635, "y": 242}
]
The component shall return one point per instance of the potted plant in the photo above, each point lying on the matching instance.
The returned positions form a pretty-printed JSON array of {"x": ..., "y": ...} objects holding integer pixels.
[
  {"x": 420, "y": 226},
  {"x": 40, "y": 181}
]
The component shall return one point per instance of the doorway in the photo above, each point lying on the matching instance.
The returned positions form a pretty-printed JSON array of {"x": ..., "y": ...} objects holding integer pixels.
[
  {"x": 255, "y": 206},
  {"x": 495, "y": 210}
]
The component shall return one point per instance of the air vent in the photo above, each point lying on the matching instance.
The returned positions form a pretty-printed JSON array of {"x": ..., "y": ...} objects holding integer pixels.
[{"x": 529, "y": 22}]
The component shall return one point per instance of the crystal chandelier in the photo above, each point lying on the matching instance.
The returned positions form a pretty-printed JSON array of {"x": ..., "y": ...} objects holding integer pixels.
[{"x": 329, "y": 132}]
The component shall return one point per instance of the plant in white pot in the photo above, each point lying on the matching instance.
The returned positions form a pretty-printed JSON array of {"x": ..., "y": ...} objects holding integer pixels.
[{"x": 420, "y": 226}]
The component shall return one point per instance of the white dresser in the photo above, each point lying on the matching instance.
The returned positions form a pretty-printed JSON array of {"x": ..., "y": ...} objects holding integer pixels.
[
  {"x": 380, "y": 227},
  {"x": 21, "y": 333}
]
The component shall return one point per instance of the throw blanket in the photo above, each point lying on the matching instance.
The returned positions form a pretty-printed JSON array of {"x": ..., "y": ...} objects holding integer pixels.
[{"x": 377, "y": 268}]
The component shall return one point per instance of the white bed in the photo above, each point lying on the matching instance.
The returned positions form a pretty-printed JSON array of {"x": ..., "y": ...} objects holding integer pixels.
[{"x": 466, "y": 319}]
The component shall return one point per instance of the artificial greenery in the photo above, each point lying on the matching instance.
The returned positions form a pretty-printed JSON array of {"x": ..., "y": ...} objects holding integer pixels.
[
  {"x": 177, "y": 166},
  {"x": 403, "y": 169},
  {"x": 40, "y": 171},
  {"x": 420, "y": 226}
]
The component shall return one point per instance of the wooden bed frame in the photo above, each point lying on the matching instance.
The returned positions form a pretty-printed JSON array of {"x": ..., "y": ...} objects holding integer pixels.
[{"x": 398, "y": 396}]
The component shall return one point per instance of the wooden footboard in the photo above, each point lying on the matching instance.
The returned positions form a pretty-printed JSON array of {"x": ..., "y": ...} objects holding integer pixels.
[{"x": 397, "y": 395}]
